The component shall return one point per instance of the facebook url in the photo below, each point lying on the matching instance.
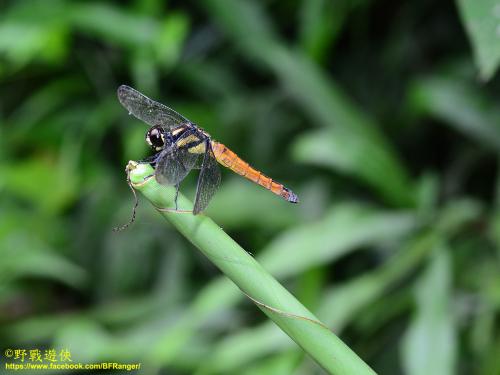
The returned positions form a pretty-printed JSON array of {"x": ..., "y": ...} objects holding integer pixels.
[{"x": 73, "y": 366}]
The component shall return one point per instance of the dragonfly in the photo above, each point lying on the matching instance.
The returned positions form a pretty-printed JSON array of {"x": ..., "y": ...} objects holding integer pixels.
[{"x": 179, "y": 146}]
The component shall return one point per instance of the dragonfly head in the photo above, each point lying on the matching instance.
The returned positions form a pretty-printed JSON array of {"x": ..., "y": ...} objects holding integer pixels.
[{"x": 155, "y": 137}]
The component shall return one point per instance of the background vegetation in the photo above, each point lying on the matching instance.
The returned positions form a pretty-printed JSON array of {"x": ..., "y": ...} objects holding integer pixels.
[{"x": 383, "y": 118}]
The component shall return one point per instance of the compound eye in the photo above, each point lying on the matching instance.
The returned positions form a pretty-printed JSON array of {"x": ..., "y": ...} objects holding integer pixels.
[{"x": 155, "y": 138}]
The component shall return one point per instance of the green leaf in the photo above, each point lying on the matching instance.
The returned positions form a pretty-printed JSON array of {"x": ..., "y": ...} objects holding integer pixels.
[
  {"x": 25, "y": 256},
  {"x": 460, "y": 105},
  {"x": 346, "y": 227},
  {"x": 429, "y": 346},
  {"x": 341, "y": 303},
  {"x": 170, "y": 40},
  {"x": 233, "y": 352},
  {"x": 284, "y": 363},
  {"x": 115, "y": 24},
  {"x": 321, "y": 22},
  {"x": 56, "y": 185},
  {"x": 87, "y": 340},
  {"x": 482, "y": 22},
  {"x": 33, "y": 31},
  {"x": 355, "y": 155}
]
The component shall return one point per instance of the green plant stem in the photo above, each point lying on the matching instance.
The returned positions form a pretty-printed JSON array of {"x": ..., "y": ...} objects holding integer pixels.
[{"x": 269, "y": 295}]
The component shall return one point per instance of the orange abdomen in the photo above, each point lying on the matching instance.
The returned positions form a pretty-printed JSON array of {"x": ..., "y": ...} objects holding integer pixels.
[{"x": 229, "y": 159}]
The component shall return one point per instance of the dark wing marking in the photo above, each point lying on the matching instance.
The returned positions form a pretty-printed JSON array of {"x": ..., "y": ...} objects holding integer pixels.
[
  {"x": 147, "y": 110},
  {"x": 208, "y": 181},
  {"x": 173, "y": 165}
]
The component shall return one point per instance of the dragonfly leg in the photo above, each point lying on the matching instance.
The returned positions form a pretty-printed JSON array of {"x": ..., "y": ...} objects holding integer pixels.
[
  {"x": 176, "y": 209},
  {"x": 161, "y": 209},
  {"x": 151, "y": 160},
  {"x": 176, "y": 194}
]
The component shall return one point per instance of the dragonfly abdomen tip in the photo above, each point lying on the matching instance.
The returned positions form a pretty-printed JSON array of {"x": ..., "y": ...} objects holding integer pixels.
[{"x": 292, "y": 197}]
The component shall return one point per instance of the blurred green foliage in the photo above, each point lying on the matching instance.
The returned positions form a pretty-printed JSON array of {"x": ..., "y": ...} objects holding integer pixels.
[{"x": 382, "y": 117}]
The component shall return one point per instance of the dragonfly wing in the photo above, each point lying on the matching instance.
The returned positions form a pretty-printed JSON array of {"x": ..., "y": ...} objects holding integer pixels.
[
  {"x": 147, "y": 110},
  {"x": 173, "y": 165},
  {"x": 208, "y": 181}
]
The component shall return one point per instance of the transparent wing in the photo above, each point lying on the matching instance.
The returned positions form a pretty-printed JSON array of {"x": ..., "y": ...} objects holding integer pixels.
[
  {"x": 147, "y": 110},
  {"x": 208, "y": 181},
  {"x": 173, "y": 165}
]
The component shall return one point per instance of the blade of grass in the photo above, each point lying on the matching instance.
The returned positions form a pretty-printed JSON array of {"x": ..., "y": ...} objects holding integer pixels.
[
  {"x": 481, "y": 19},
  {"x": 25, "y": 256},
  {"x": 429, "y": 345},
  {"x": 269, "y": 295},
  {"x": 347, "y": 228},
  {"x": 339, "y": 305},
  {"x": 460, "y": 105}
]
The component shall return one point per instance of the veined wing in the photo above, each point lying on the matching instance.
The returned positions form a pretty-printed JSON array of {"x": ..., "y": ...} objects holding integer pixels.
[
  {"x": 174, "y": 164},
  {"x": 208, "y": 181},
  {"x": 147, "y": 110}
]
